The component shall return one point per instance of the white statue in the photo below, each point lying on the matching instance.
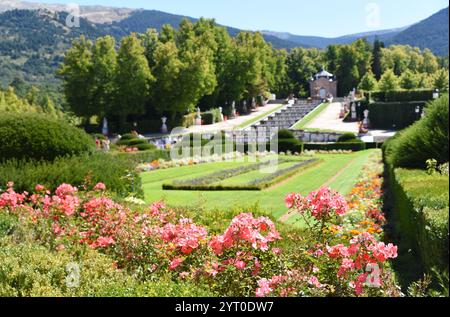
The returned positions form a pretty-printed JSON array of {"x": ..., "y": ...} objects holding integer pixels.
[
  {"x": 221, "y": 114},
  {"x": 366, "y": 122},
  {"x": 105, "y": 127},
  {"x": 164, "y": 128},
  {"x": 354, "y": 113},
  {"x": 198, "y": 119}
]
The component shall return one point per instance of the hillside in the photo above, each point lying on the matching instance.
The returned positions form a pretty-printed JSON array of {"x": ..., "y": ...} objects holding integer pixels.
[
  {"x": 323, "y": 42},
  {"x": 32, "y": 43},
  {"x": 430, "y": 33}
]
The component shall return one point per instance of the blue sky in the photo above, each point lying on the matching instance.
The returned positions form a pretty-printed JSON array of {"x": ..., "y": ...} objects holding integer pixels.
[{"x": 304, "y": 17}]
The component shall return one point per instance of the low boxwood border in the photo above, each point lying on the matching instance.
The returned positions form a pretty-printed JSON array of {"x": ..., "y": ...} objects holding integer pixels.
[{"x": 258, "y": 185}]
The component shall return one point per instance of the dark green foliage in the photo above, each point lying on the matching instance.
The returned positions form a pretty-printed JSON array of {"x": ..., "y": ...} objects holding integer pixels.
[
  {"x": 145, "y": 147},
  {"x": 401, "y": 95},
  {"x": 99, "y": 136},
  {"x": 355, "y": 146},
  {"x": 285, "y": 134},
  {"x": 292, "y": 145},
  {"x": 127, "y": 136},
  {"x": 207, "y": 118},
  {"x": 118, "y": 174},
  {"x": 288, "y": 142},
  {"x": 420, "y": 216},
  {"x": 427, "y": 139},
  {"x": 144, "y": 156},
  {"x": 36, "y": 136},
  {"x": 394, "y": 115},
  {"x": 347, "y": 137}
]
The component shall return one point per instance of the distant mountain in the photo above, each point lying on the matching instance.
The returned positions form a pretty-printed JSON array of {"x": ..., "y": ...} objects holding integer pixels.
[
  {"x": 323, "y": 42},
  {"x": 430, "y": 33},
  {"x": 141, "y": 20},
  {"x": 34, "y": 37},
  {"x": 32, "y": 43},
  {"x": 95, "y": 14}
]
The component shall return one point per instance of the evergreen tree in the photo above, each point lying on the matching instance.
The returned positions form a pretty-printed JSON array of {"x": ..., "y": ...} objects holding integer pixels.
[
  {"x": 132, "y": 79},
  {"x": 377, "y": 55},
  {"x": 368, "y": 82}
]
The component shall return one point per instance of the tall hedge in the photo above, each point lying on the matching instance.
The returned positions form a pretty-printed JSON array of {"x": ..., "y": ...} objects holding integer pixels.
[
  {"x": 36, "y": 136},
  {"x": 398, "y": 115},
  {"x": 426, "y": 139},
  {"x": 400, "y": 95}
]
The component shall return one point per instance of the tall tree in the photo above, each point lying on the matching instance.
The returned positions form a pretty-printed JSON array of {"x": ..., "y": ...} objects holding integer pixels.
[
  {"x": 347, "y": 71},
  {"x": 132, "y": 80},
  {"x": 104, "y": 67},
  {"x": 75, "y": 72},
  {"x": 368, "y": 82},
  {"x": 377, "y": 55}
]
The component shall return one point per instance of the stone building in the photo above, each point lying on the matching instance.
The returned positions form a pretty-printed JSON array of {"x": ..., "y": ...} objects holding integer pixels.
[{"x": 323, "y": 85}]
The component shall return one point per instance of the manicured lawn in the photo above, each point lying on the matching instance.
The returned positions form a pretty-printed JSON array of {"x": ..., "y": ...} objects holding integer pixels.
[
  {"x": 310, "y": 117},
  {"x": 270, "y": 200},
  {"x": 259, "y": 118}
]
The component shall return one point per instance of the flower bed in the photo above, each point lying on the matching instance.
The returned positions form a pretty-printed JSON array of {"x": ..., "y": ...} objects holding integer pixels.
[
  {"x": 339, "y": 255},
  {"x": 195, "y": 160}
]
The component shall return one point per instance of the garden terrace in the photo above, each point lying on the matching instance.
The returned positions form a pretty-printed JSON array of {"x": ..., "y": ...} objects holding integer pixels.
[{"x": 247, "y": 179}]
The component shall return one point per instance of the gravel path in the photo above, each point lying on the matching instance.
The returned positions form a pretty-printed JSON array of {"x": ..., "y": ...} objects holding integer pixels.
[{"x": 329, "y": 120}]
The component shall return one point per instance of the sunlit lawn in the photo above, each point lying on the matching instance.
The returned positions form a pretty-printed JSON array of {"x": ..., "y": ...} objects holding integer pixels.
[{"x": 270, "y": 200}]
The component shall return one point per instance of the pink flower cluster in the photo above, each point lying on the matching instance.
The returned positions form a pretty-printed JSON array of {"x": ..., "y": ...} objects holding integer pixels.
[
  {"x": 246, "y": 229},
  {"x": 364, "y": 251},
  {"x": 103, "y": 219},
  {"x": 10, "y": 198},
  {"x": 184, "y": 236},
  {"x": 321, "y": 204}
]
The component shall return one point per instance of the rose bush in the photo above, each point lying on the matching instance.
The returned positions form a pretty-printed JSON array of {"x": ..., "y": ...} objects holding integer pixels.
[{"x": 341, "y": 253}]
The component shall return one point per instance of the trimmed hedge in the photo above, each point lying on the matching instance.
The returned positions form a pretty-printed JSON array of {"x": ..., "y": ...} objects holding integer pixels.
[
  {"x": 74, "y": 170},
  {"x": 387, "y": 115},
  {"x": 36, "y": 136},
  {"x": 143, "y": 156},
  {"x": 256, "y": 185},
  {"x": 346, "y": 137},
  {"x": 421, "y": 217},
  {"x": 427, "y": 139},
  {"x": 400, "y": 95},
  {"x": 354, "y": 146}
]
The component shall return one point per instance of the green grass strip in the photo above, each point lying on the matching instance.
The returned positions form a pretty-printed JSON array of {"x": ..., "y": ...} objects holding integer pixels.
[
  {"x": 259, "y": 118},
  {"x": 257, "y": 185},
  {"x": 310, "y": 116}
]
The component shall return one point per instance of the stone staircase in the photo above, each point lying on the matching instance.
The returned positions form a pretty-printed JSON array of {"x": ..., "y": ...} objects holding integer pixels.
[{"x": 288, "y": 116}]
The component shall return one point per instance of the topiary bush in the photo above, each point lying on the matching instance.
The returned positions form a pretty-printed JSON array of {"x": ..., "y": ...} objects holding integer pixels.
[
  {"x": 285, "y": 134},
  {"x": 36, "y": 136},
  {"x": 116, "y": 172},
  {"x": 427, "y": 139},
  {"x": 346, "y": 137}
]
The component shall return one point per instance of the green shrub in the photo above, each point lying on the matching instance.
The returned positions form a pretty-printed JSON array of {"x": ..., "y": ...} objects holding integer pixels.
[
  {"x": 99, "y": 136},
  {"x": 285, "y": 134},
  {"x": 387, "y": 115},
  {"x": 128, "y": 136},
  {"x": 208, "y": 118},
  {"x": 29, "y": 270},
  {"x": 421, "y": 219},
  {"x": 292, "y": 145},
  {"x": 427, "y": 139},
  {"x": 347, "y": 137},
  {"x": 100, "y": 167},
  {"x": 133, "y": 142},
  {"x": 189, "y": 120},
  {"x": 351, "y": 146},
  {"x": 36, "y": 136},
  {"x": 144, "y": 156},
  {"x": 145, "y": 147}
]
